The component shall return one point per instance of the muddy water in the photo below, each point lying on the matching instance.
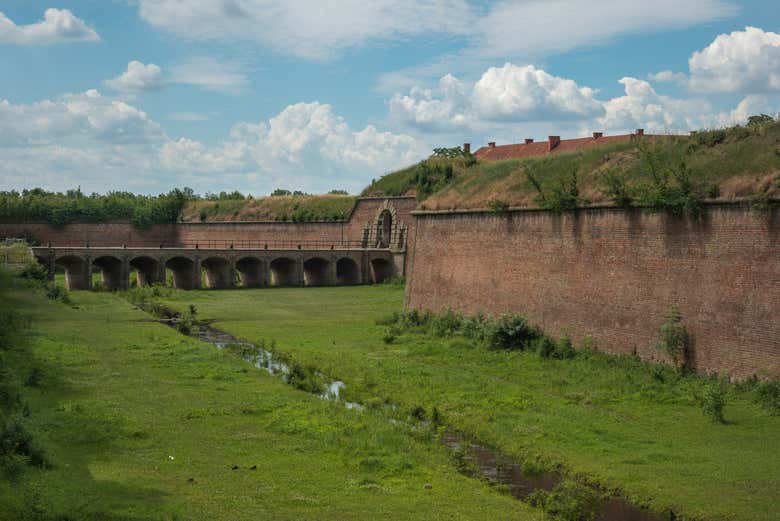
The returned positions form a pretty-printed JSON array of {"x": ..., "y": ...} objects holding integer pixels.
[{"x": 489, "y": 463}]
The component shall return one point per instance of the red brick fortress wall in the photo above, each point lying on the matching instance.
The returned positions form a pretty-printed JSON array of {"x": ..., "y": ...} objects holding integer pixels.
[
  {"x": 365, "y": 212},
  {"x": 613, "y": 275}
]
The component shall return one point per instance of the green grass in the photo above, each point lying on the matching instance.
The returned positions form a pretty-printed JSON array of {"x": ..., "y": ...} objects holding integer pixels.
[
  {"x": 607, "y": 418},
  {"x": 723, "y": 164},
  {"x": 128, "y": 410},
  {"x": 297, "y": 208}
]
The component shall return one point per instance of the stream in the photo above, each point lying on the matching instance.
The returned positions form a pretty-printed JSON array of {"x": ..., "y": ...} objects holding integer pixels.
[{"x": 489, "y": 463}]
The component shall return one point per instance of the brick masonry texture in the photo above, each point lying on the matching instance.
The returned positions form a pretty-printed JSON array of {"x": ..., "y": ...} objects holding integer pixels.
[
  {"x": 117, "y": 234},
  {"x": 613, "y": 275}
]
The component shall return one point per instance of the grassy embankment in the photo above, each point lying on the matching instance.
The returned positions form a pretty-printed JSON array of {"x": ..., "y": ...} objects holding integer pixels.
[
  {"x": 298, "y": 208},
  {"x": 136, "y": 422},
  {"x": 611, "y": 419},
  {"x": 721, "y": 164}
]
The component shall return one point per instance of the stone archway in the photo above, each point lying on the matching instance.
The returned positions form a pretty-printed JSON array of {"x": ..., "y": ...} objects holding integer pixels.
[
  {"x": 347, "y": 272},
  {"x": 250, "y": 272},
  {"x": 77, "y": 272},
  {"x": 184, "y": 273},
  {"x": 381, "y": 270},
  {"x": 284, "y": 272},
  {"x": 316, "y": 272},
  {"x": 147, "y": 270},
  {"x": 111, "y": 272},
  {"x": 218, "y": 273}
]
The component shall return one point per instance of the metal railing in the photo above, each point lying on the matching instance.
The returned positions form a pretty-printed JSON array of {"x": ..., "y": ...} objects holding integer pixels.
[{"x": 220, "y": 244}]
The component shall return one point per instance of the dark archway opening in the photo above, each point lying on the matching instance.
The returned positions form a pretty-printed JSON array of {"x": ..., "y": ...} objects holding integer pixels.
[
  {"x": 250, "y": 272},
  {"x": 110, "y": 269},
  {"x": 381, "y": 270},
  {"x": 384, "y": 229},
  {"x": 284, "y": 272},
  {"x": 315, "y": 272},
  {"x": 217, "y": 273},
  {"x": 347, "y": 272},
  {"x": 77, "y": 276},
  {"x": 147, "y": 271},
  {"x": 183, "y": 272}
]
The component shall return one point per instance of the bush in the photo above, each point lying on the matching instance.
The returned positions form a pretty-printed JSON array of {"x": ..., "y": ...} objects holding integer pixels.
[
  {"x": 713, "y": 400},
  {"x": 768, "y": 394},
  {"x": 17, "y": 446},
  {"x": 674, "y": 340},
  {"x": 568, "y": 501},
  {"x": 35, "y": 271},
  {"x": 510, "y": 332},
  {"x": 498, "y": 206},
  {"x": 58, "y": 293},
  {"x": 560, "y": 350},
  {"x": 305, "y": 378}
]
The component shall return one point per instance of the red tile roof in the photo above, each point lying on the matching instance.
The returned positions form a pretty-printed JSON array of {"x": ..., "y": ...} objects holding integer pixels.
[{"x": 540, "y": 148}]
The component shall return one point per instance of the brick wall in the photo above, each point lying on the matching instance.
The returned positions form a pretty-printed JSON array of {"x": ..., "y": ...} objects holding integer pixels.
[
  {"x": 613, "y": 275},
  {"x": 116, "y": 234}
]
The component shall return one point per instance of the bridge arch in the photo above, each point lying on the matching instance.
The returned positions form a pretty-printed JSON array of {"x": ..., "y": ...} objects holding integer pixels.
[
  {"x": 77, "y": 272},
  {"x": 284, "y": 272},
  {"x": 185, "y": 274},
  {"x": 381, "y": 270},
  {"x": 316, "y": 272},
  {"x": 251, "y": 272},
  {"x": 111, "y": 271},
  {"x": 347, "y": 272},
  {"x": 147, "y": 270},
  {"x": 219, "y": 272}
]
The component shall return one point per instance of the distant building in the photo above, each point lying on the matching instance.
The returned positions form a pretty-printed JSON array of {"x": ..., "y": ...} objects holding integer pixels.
[{"x": 554, "y": 144}]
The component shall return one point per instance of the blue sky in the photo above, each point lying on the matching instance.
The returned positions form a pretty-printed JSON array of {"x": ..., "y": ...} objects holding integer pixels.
[{"x": 146, "y": 95}]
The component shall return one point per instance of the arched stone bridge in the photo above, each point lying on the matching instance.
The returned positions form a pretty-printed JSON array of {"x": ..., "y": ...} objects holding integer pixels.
[{"x": 193, "y": 268}]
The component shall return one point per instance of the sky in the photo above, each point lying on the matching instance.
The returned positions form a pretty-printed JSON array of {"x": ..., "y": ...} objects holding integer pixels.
[{"x": 314, "y": 95}]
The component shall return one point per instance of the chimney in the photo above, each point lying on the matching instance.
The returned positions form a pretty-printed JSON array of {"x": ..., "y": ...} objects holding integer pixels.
[
  {"x": 597, "y": 135},
  {"x": 529, "y": 140},
  {"x": 554, "y": 141},
  {"x": 492, "y": 144},
  {"x": 640, "y": 132},
  {"x": 467, "y": 148}
]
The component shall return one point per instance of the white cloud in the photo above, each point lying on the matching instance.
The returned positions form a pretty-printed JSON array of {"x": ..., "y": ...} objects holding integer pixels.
[
  {"x": 643, "y": 107},
  {"x": 211, "y": 74},
  {"x": 87, "y": 116},
  {"x": 743, "y": 61},
  {"x": 538, "y": 27},
  {"x": 58, "y": 25},
  {"x": 307, "y": 28},
  {"x": 105, "y": 144},
  {"x": 668, "y": 76},
  {"x": 138, "y": 77},
  {"x": 527, "y": 94},
  {"x": 503, "y": 95},
  {"x": 188, "y": 116}
]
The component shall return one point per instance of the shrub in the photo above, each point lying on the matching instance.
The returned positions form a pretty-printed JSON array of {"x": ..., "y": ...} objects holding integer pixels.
[
  {"x": 768, "y": 394},
  {"x": 568, "y": 501},
  {"x": 561, "y": 349},
  {"x": 616, "y": 189},
  {"x": 498, "y": 206},
  {"x": 713, "y": 400},
  {"x": 305, "y": 378},
  {"x": 17, "y": 446},
  {"x": 510, "y": 332},
  {"x": 674, "y": 340},
  {"x": 58, "y": 293},
  {"x": 34, "y": 271}
]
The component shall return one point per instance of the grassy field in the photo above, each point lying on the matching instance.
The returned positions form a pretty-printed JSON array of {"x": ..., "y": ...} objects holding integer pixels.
[
  {"x": 721, "y": 164},
  {"x": 138, "y": 422},
  {"x": 611, "y": 419}
]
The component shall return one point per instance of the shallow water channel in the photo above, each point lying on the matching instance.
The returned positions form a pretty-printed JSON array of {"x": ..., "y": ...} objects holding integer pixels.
[{"x": 491, "y": 464}]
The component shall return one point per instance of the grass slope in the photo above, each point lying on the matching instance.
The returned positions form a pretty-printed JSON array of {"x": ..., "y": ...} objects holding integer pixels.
[
  {"x": 128, "y": 411},
  {"x": 723, "y": 164},
  {"x": 606, "y": 417},
  {"x": 298, "y": 208}
]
